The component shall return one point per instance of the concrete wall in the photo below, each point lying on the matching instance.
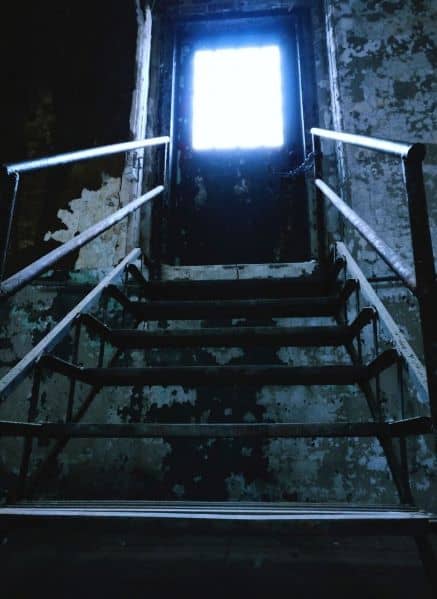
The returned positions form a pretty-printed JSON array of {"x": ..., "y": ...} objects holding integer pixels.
[
  {"x": 383, "y": 57},
  {"x": 378, "y": 71},
  {"x": 382, "y": 62}
]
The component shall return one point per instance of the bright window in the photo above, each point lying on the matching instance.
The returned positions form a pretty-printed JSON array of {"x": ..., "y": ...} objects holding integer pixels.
[{"x": 237, "y": 98}]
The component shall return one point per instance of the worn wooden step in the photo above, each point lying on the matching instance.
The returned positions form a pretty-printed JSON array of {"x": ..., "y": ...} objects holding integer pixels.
[
  {"x": 223, "y": 375},
  {"x": 314, "y": 336},
  {"x": 235, "y": 308},
  {"x": 294, "y": 430}
]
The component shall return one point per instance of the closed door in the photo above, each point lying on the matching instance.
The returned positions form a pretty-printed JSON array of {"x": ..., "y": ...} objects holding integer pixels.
[{"x": 237, "y": 131}]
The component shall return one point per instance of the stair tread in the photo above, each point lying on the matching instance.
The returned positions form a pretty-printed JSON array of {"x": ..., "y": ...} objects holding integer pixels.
[
  {"x": 232, "y": 336},
  {"x": 412, "y": 426},
  {"x": 225, "y": 504},
  {"x": 282, "y": 511},
  {"x": 171, "y": 309},
  {"x": 265, "y": 270},
  {"x": 327, "y": 304},
  {"x": 267, "y": 285},
  {"x": 237, "y": 288},
  {"x": 314, "y": 336},
  {"x": 227, "y": 374}
]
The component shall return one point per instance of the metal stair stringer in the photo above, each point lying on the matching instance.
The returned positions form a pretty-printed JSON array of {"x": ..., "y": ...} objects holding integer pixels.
[{"x": 203, "y": 306}]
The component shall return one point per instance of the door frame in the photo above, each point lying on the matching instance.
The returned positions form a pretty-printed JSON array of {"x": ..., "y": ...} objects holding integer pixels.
[{"x": 300, "y": 23}]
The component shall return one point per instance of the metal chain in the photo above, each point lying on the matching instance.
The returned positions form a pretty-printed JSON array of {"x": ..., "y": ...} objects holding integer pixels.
[{"x": 306, "y": 166}]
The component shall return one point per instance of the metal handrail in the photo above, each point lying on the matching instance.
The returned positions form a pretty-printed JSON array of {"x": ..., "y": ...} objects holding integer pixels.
[
  {"x": 77, "y": 156},
  {"x": 17, "y": 374},
  {"x": 389, "y": 256},
  {"x": 30, "y": 272},
  {"x": 416, "y": 370},
  {"x": 373, "y": 143},
  {"x": 423, "y": 281},
  {"x": 13, "y": 170}
]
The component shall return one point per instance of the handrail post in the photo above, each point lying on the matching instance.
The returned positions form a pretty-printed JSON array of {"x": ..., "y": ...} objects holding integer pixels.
[
  {"x": 424, "y": 266},
  {"x": 8, "y": 195},
  {"x": 320, "y": 201},
  {"x": 165, "y": 203},
  {"x": 157, "y": 221}
]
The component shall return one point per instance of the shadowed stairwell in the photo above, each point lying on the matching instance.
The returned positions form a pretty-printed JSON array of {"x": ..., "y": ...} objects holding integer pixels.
[{"x": 156, "y": 333}]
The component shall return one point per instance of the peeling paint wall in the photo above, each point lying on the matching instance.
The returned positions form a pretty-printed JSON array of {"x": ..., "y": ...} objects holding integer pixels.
[
  {"x": 376, "y": 50},
  {"x": 383, "y": 61},
  {"x": 83, "y": 212}
]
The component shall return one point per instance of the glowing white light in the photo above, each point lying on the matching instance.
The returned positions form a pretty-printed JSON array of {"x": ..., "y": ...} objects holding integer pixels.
[{"x": 237, "y": 100}]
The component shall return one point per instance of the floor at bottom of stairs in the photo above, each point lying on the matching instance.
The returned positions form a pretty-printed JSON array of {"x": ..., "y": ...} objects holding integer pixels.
[{"x": 126, "y": 564}]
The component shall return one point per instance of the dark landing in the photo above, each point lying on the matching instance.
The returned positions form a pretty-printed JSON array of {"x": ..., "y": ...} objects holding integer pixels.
[{"x": 129, "y": 565}]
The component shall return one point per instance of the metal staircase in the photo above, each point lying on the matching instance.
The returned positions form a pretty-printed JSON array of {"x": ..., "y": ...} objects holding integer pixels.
[{"x": 335, "y": 291}]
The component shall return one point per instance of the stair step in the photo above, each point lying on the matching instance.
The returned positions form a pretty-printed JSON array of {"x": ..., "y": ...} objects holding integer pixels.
[
  {"x": 232, "y": 288},
  {"x": 231, "y": 336},
  {"x": 235, "y": 308},
  {"x": 304, "y": 518},
  {"x": 222, "y": 375},
  {"x": 307, "y": 506},
  {"x": 265, "y": 270},
  {"x": 275, "y": 270},
  {"x": 51, "y": 430}
]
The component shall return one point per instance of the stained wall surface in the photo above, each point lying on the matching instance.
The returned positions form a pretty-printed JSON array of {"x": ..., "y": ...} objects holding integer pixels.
[
  {"x": 383, "y": 57},
  {"x": 382, "y": 63},
  {"x": 374, "y": 76}
]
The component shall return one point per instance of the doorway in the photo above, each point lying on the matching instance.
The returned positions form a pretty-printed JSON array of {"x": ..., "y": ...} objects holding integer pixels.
[{"x": 237, "y": 130}]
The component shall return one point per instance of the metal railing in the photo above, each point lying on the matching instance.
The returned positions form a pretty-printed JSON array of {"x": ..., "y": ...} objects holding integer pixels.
[
  {"x": 19, "y": 372},
  {"x": 11, "y": 171},
  {"x": 79, "y": 155},
  {"x": 422, "y": 280}
]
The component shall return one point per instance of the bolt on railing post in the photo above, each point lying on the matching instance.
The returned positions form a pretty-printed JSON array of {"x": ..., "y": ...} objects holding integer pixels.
[
  {"x": 424, "y": 265},
  {"x": 320, "y": 202}
]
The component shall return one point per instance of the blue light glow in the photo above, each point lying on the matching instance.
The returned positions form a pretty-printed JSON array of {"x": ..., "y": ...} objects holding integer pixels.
[{"x": 237, "y": 99}]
